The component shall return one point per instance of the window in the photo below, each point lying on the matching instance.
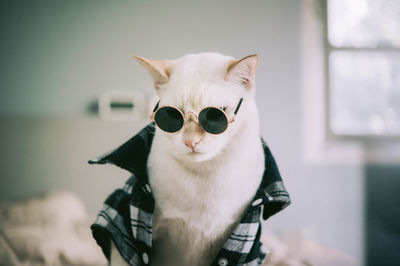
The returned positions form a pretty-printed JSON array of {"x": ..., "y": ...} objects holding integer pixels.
[
  {"x": 363, "y": 65},
  {"x": 350, "y": 69}
]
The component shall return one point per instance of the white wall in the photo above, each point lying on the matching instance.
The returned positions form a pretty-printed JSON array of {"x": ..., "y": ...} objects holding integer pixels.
[{"x": 58, "y": 56}]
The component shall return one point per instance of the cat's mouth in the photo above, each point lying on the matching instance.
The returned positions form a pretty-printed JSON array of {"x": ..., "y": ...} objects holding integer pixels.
[
  {"x": 194, "y": 152},
  {"x": 197, "y": 155}
]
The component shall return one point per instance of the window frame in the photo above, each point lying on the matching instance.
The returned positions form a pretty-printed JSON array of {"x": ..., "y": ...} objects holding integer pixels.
[
  {"x": 328, "y": 49},
  {"x": 320, "y": 145}
]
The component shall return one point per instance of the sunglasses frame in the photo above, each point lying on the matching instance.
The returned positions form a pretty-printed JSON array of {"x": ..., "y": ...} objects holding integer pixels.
[{"x": 230, "y": 121}]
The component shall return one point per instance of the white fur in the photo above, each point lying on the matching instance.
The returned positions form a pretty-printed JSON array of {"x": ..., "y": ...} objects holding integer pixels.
[{"x": 201, "y": 195}]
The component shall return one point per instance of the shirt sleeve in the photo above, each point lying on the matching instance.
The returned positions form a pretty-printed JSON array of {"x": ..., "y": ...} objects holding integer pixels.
[{"x": 113, "y": 224}]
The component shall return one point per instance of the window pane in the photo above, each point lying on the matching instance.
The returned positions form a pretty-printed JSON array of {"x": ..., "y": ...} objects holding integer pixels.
[
  {"x": 365, "y": 93},
  {"x": 364, "y": 23}
]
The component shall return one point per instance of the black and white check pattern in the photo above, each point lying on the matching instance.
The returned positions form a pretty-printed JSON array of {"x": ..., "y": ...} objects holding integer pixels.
[{"x": 126, "y": 216}]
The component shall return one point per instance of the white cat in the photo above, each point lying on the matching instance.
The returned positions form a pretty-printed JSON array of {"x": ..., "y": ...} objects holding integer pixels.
[{"x": 202, "y": 182}]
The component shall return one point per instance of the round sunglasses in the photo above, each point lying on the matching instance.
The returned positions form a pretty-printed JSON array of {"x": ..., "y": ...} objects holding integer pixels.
[{"x": 213, "y": 120}]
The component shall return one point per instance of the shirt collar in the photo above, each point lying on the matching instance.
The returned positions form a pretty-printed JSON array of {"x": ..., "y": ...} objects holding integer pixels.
[{"x": 133, "y": 154}]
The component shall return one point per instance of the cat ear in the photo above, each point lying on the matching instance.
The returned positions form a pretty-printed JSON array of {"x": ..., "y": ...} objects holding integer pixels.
[
  {"x": 159, "y": 69},
  {"x": 243, "y": 71}
]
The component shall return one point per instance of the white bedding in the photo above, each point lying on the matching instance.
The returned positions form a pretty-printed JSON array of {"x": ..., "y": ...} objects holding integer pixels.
[{"x": 52, "y": 229}]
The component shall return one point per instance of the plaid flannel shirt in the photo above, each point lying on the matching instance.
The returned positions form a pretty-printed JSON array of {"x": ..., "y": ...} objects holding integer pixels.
[{"x": 126, "y": 216}]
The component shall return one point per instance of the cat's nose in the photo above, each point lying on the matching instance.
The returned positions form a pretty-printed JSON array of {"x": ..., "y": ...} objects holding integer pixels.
[{"x": 191, "y": 143}]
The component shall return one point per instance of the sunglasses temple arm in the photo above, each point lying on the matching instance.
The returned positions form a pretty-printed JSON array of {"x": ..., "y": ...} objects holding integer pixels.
[
  {"x": 156, "y": 107},
  {"x": 238, "y": 106},
  {"x": 236, "y": 110}
]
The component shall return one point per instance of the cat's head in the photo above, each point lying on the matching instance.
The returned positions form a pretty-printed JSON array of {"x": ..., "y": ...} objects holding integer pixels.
[{"x": 195, "y": 81}]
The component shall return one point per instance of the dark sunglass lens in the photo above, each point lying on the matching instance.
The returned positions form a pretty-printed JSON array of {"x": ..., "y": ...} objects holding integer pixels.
[
  {"x": 213, "y": 120},
  {"x": 168, "y": 119}
]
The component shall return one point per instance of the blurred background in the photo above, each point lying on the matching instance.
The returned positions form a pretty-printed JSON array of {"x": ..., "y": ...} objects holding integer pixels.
[{"x": 328, "y": 92}]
